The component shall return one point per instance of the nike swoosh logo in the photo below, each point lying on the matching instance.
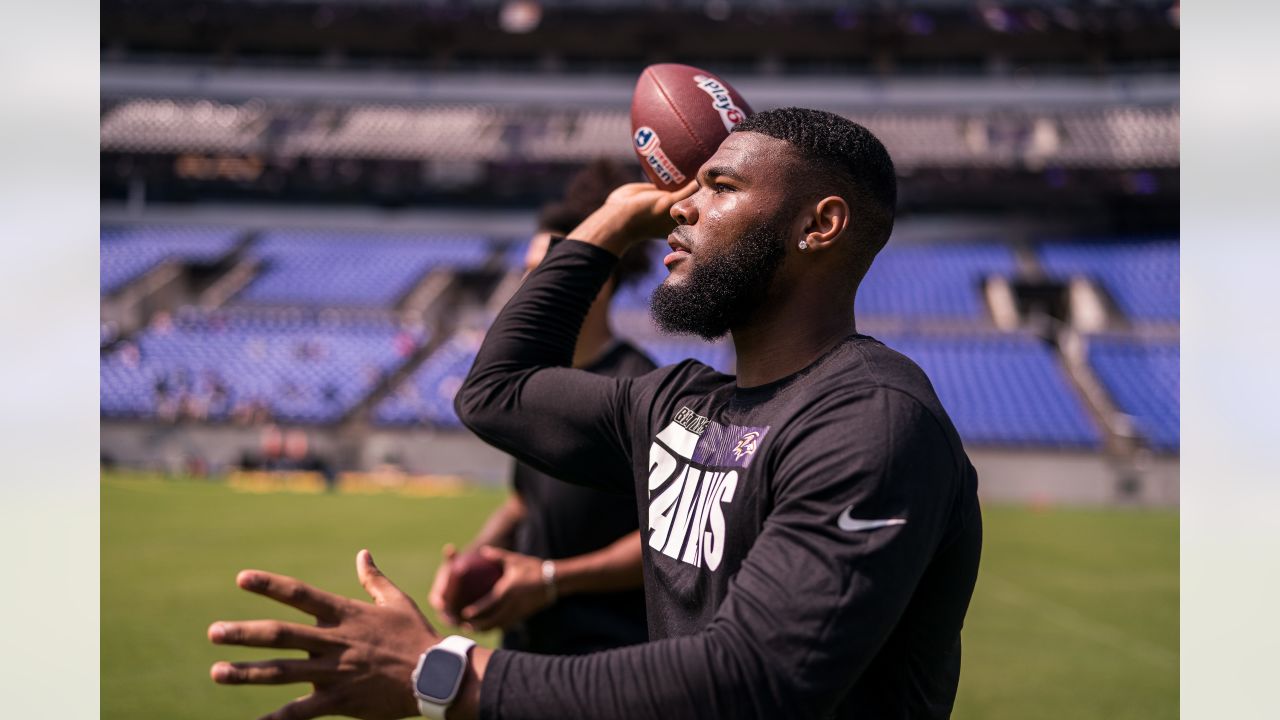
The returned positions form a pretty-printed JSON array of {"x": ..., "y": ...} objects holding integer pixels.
[{"x": 848, "y": 523}]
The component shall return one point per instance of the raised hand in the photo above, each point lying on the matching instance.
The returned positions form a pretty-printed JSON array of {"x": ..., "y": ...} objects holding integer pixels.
[
  {"x": 360, "y": 656},
  {"x": 633, "y": 212}
]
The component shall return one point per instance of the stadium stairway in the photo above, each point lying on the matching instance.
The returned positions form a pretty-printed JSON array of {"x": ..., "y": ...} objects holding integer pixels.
[
  {"x": 1119, "y": 434},
  {"x": 448, "y": 301},
  {"x": 166, "y": 285},
  {"x": 231, "y": 283},
  {"x": 359, "y": 416}
]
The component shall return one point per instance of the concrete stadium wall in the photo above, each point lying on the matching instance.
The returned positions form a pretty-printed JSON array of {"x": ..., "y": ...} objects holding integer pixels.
[
  {"x": 1068, "y": 478},
  {"x": 1005, "y": 476},
  {"x": 438, "y": 453},
  {"x": 173, "y": 448}
]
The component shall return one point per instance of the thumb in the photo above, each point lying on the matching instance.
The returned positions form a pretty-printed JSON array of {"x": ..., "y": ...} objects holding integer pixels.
[
  {"x": 449, "y": 552},
  {"x": 490, "y": 552},
  {"x": 379, "y": 586}
]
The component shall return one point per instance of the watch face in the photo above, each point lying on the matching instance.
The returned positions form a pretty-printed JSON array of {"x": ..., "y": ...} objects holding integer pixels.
[{"x": 440, "y": 675}]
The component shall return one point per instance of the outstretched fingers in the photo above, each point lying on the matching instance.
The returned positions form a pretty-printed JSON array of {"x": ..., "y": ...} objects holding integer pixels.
[
  {"x": 273, "y": 672},
  {"x": 271, "y": 634},
  {"x": 323, "y": 605}
]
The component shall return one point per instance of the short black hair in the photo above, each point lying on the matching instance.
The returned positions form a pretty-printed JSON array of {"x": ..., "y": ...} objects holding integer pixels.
[
  {"x": 844, "y": 153},
  {"x": 585, "y": 192}
]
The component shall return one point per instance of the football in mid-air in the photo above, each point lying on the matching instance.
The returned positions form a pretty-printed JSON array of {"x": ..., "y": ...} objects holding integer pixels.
[
  {"x": 472, "y": 575},
  {"x": 679, "y": 116}
]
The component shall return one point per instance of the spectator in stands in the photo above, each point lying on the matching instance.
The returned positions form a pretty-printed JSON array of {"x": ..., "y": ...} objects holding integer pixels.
[
  {"x": 309, "y": 349},
  {"x": 406, "y": 343},
  {"x": 251, "y": 410},
  {"x": 219, "y": 395},
  {"x": 162, "y": 323},
  {"x": 194, "y": 406},
  {"x": 130, "y": 356},
  {"x": 168, "y": 397},
  {"x": 571, "y": 580}
]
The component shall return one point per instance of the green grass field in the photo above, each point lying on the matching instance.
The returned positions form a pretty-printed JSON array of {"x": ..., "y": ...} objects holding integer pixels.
[{"x": 1075, "y": 615}]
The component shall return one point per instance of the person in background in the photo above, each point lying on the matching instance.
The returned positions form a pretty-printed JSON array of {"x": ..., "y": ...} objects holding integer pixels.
[{"x": 571, "y": 581}]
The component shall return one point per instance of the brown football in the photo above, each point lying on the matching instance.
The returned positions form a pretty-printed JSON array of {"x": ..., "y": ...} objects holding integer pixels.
[
  {"x": 471, "y": 577},
  {"x": 679, "y": 116}
]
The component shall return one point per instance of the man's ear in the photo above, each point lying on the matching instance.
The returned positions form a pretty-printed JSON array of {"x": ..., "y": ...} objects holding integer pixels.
[{"x": 827, "y": 221}]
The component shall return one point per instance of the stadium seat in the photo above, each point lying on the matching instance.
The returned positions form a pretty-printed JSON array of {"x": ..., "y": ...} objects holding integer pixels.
[
  {"x": 1142, "y": 379},
  {"x": 1142, "y": 277},
  {"x": 1003, "y": 390},
  {"x": 356, "y": 269},
  {"x": 127, "y": 253},
  {"x": 299, "y": 370},
  {"x": 934, "y": 281}
]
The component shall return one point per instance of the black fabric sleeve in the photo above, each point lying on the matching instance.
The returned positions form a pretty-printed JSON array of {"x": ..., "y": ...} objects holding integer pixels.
[
  {"x": 522, "y": 397},
  {"x": 812, "y": 603}
]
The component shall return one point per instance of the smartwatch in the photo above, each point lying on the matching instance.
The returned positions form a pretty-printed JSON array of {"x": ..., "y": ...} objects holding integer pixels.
[{"x": 439, "y": 675}]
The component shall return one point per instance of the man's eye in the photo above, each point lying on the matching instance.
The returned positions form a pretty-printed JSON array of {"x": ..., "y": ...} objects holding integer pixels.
[{"x": 721, "y": 187}]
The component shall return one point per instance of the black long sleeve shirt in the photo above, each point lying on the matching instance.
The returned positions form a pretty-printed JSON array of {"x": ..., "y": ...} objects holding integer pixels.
[{"x": 810, "y": 545}]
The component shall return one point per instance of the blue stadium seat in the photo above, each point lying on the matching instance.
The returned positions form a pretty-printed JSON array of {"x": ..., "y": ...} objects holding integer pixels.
[
  {"x": 513, "y": 255},
  {"x": 426, "y": 397},
  {"x": 1142, "y": 379},
  {"x": 301, "y": 370},
  {"x": 353, "y": 269},
  {"x": 1142, "y": 277},
  {"x": 1005, "y": 390},
  {"x": 129, "y": 252},
  {"x": 942, "y": 281}
]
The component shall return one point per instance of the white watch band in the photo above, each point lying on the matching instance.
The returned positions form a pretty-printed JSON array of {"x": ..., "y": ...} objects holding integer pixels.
[{"x": 457, "y": 645}]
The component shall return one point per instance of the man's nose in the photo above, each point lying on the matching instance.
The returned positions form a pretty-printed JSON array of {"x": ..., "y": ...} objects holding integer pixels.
[{"x": 684, "y": 212}]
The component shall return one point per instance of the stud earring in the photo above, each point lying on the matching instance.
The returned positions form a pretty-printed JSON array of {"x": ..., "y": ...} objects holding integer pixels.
[{"x": 804, "y": 245}]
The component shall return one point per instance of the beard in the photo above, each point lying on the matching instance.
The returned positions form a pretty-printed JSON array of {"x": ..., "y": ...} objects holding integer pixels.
[{"x": 723, "y": 290}]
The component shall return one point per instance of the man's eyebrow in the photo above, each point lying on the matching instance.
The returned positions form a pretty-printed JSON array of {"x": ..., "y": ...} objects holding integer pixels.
[{"x": 721, "y": 171}]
